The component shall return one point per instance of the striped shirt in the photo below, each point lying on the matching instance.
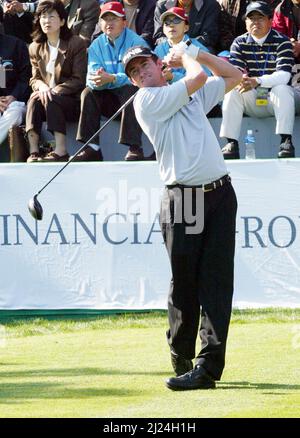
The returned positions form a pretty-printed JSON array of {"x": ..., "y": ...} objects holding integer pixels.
[{"x": 275, "y": 54}]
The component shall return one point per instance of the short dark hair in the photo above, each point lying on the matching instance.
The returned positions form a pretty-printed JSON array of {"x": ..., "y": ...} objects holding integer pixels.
[
  {"x": 44, "y": 6},
  {"x": 1, "y": 14}
]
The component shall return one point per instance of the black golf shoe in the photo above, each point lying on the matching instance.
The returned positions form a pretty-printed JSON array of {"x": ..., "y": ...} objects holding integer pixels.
[
  {"x": 286, "y": 149},
  {"x": 231, "y": 151},
  {"x": 197, "y": 378}
]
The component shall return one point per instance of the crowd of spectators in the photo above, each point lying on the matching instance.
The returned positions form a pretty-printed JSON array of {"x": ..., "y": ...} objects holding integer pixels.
[{"x": 60, "y": 61}]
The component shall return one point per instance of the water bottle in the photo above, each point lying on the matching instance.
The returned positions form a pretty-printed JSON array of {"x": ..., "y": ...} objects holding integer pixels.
[{"x": 250, "y": 145}]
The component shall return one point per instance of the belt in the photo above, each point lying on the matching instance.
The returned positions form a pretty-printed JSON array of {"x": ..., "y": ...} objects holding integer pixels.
[{"x": 205, "y": 187}]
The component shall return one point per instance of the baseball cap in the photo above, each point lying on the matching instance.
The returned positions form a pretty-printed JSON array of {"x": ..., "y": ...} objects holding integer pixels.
[
  {"x": 136, "y": 52},
  {"x": 261, "y": 7},
  {"x": 115, "y": 8},
  {"x": 179, "y": 12}
]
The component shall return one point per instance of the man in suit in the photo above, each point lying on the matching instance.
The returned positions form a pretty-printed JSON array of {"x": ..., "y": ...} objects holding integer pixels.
[{"x": 15, "y": 72}]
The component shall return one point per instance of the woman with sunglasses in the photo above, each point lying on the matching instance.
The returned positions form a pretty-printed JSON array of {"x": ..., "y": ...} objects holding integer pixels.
[{"x": 175, "y": 27}]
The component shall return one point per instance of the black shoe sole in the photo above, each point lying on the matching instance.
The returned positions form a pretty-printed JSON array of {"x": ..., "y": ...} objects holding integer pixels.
[
  {"x": 208, "y": 385},
  {"x": 231, "y": 157}
]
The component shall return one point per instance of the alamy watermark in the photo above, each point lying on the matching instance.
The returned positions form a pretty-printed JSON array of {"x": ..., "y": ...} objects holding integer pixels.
[{"x": 180, "y": 205}]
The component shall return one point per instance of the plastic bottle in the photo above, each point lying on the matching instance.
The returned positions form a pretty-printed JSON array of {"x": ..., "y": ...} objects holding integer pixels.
[{"x": 250, "y": 145}]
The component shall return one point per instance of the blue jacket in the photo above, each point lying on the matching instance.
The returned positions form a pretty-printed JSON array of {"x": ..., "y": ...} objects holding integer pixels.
[
  {"x": 163, "y": 49},
  {"x": 102, "y": 53}
]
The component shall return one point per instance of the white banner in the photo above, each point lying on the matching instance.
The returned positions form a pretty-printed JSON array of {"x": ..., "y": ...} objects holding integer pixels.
[{"x": 99, "y": 245}]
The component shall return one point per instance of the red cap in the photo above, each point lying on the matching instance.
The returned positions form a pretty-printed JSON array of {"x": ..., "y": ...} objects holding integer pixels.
[
  {"x": 115, "y": 8},
  {"x": 179, "y": 12}
]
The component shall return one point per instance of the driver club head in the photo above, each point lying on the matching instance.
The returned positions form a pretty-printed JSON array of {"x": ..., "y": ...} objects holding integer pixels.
[{"x": 35, "y": 208}]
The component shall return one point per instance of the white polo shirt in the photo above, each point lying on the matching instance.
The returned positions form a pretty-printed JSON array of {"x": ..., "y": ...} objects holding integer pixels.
[{"x": 186, "y": 147}]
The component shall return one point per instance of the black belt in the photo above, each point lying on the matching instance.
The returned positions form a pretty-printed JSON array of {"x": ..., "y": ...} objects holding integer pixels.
[{"x": 205, "y": 187}]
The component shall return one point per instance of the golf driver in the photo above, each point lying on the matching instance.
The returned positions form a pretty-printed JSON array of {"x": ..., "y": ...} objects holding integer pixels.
[{"x": 34, "y": 207}]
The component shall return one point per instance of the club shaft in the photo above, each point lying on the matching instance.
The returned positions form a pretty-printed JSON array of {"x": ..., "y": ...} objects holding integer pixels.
[{"x": 89, "y": 140}]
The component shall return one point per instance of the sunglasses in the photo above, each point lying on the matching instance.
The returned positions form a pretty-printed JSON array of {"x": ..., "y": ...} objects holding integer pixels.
[{"x": 174, "y": 20}]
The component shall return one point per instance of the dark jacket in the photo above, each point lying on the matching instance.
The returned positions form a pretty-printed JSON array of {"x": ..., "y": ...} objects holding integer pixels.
[
  {"x": 14, "y": 55},
  {"x": 70, "y": 66},
  {"x": 82, "y": 17},
  {"x": 20, "y": 27},
  {"x": 204, "y": 23}
]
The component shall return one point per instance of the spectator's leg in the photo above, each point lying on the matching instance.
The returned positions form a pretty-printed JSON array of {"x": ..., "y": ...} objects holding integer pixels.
[
  {"x": 34, "y": 119},
  {"x": 130, "y": 130},
  {"x": 12, "y": 116},
  {"x": 56, "y": 116},
  {"x": 283, "y": 103},
  {"x": 233, "y": 109},
  {"x": 94, "y": 104}
]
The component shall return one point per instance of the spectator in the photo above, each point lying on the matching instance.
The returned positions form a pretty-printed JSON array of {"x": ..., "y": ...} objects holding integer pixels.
[
  {"x": 266, "y": 57},
  {"x": 108, "y": 87},
  {"x": 15, "y": 71},
  {"x": 82, "y": 15},
  {"x": 18, "y": 19},
  {"x": 175, "y": 25},
  {"x": 203, "y": 20},
  {"x": 59, "y": 63},
  {"x": 140, "y": 18},
  {"x": 286, "y": 20}
]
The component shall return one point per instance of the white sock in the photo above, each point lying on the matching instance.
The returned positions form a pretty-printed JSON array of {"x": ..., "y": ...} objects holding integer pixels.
[{"x": 94, "y": 146}]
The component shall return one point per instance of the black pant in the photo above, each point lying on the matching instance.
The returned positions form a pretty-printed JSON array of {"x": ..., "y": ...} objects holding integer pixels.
[
  {"x": 202, "y": 270},
  {"x": 95, "y": 104},
  {"x": 56, "y": 113}
]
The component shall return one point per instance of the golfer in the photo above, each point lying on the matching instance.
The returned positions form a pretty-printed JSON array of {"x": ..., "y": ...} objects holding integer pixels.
[{"x": 192, "y": 167}]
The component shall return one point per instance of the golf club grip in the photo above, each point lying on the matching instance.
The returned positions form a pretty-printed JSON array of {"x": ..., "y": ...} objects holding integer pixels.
[{"x": 90, "y": 139}]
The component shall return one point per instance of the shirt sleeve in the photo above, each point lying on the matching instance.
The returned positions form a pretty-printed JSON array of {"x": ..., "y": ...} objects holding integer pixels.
[
  {"x": 161, "y": 103},
  {"x": 211, "y": 93}
]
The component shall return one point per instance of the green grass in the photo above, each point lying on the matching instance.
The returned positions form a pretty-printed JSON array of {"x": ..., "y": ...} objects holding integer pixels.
[{"x": 116, "y": 366}]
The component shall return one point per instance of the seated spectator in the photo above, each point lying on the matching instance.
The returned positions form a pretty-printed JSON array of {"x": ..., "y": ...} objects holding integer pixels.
[
  {"x": 18, "y": 19},
  {"x": 266, "y": 57},
  {"x": 175, "y": 25},
  {"x": 59, "y": 64},
  {"x": 140, "y": 17},
  {"x": 108, "y": 87},
  {"x": 82, "y": 15},
  {"x": 15, "y": 72},
  {"x": 203, "y": 20},
  {"x": 286, "y": 20}
]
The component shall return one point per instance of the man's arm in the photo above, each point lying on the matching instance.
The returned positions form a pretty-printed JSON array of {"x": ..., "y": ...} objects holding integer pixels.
[
  {"x": 195, "y": 76},
  {"x": 231, "y": 75}
]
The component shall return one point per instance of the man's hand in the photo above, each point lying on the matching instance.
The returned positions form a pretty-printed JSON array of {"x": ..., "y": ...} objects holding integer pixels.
[
  {"x": 8, "y": 9},
  {"x": 16, "y": 7},
  {"x": 247, "y": 84},
  {"x": 101, "y": 77},
  {"x": 5, "y": 101},
  {"x": 174, "y": 58}
]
